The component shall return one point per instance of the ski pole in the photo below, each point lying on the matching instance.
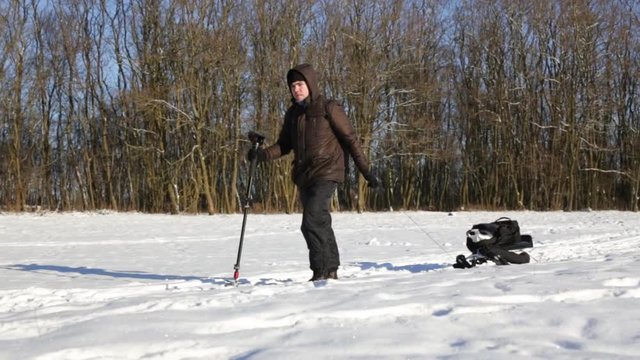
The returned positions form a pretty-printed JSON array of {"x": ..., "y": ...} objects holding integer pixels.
[{"x": 256, "y": 140}]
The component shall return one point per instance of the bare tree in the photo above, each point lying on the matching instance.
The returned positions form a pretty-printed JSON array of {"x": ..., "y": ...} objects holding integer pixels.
[{"x": 493, "y": 104}]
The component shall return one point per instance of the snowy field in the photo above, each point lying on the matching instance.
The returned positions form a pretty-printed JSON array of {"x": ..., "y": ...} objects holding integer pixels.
[{"x": 135, "y": 286}]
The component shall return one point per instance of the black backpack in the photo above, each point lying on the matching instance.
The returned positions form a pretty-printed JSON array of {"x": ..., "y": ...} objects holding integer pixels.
[
  {"x": 503, "y": 233},
  {"x": 494, "y": 241}
]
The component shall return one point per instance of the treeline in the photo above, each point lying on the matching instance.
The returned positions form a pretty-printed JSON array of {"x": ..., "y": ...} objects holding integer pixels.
[{"x": 495, "y": 104}]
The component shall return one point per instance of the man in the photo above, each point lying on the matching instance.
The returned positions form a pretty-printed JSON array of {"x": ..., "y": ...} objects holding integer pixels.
[{"x": 319, "y": 133}]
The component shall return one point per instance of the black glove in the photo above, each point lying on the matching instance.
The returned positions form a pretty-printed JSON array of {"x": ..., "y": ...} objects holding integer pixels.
[
  {"x": 372, "y": 181},
  {"x": 257, "y": 154}
]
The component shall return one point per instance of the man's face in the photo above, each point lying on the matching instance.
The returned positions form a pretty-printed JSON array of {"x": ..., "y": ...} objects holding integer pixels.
[{"x": 299, "y": 90}]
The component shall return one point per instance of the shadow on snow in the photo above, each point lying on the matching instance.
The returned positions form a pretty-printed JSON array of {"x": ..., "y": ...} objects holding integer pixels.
[
  {"x": 414, "y": 268},
  {"x": 141, "y": 275}
]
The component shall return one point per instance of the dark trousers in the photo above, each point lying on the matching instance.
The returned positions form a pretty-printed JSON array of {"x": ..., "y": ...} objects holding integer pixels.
[{"x": 316, "y": 226}]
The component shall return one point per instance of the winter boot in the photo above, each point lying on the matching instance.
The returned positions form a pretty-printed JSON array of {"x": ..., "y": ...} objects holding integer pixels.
[
  {"x": 318, "y": 275},
  {"x": 332, "y": 274}
]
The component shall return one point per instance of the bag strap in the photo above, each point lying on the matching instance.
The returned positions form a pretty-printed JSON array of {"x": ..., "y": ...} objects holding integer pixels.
[
  {"x": 503, "y": 218},
  {"x": 327, "y": 114}
]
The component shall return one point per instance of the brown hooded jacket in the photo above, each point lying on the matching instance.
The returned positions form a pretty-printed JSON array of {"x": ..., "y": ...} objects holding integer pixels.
[{"x": 319, "y": 133}]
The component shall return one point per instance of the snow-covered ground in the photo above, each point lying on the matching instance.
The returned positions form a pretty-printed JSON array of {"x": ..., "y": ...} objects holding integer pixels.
[{"x": 137, "y": 286}]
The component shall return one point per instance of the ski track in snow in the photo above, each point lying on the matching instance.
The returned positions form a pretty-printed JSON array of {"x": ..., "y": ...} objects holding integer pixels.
[{"x": 133, "y": 286}]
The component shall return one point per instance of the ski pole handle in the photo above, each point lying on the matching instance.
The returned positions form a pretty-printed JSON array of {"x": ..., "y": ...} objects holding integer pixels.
[{"x": 256, "y": 139}]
